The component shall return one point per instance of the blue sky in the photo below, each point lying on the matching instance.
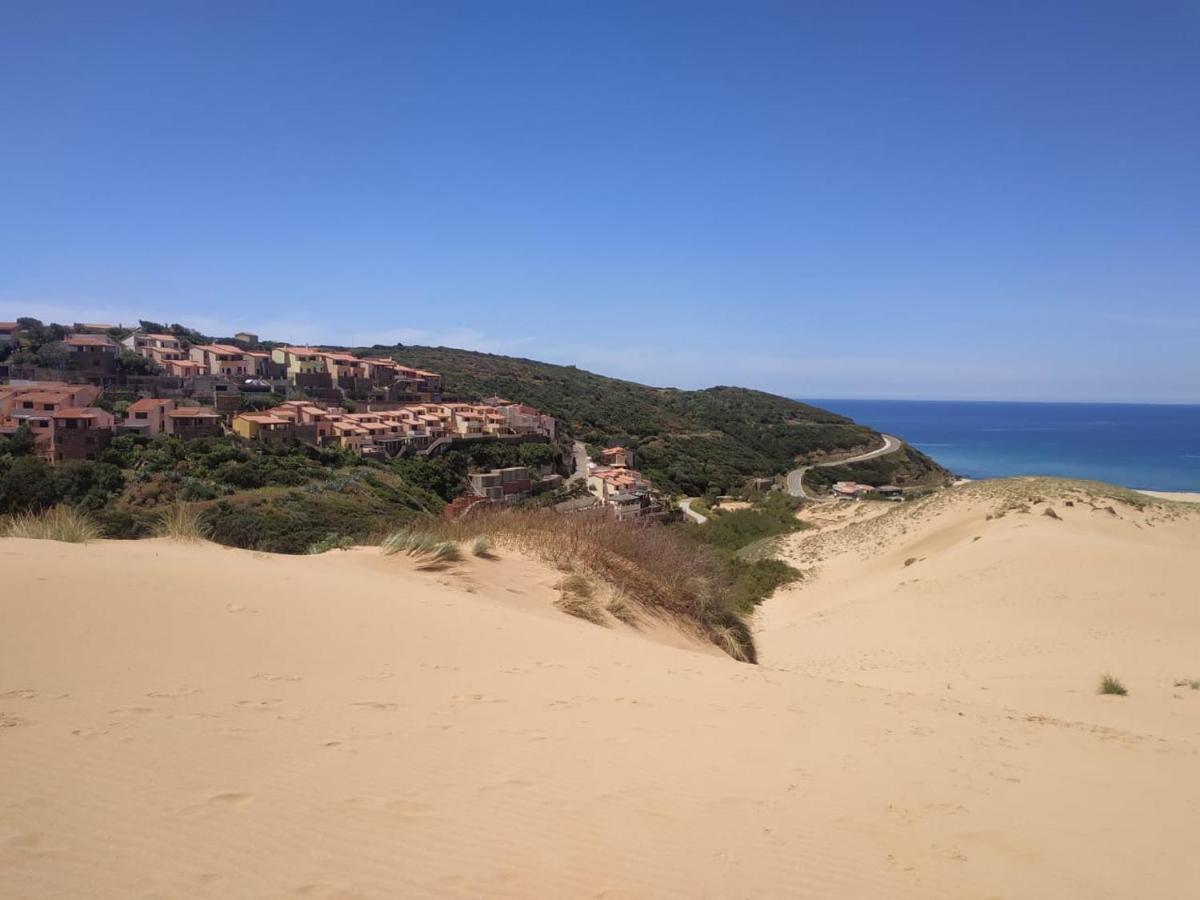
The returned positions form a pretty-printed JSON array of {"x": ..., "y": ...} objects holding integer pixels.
[{"x": 926, "y": 200}]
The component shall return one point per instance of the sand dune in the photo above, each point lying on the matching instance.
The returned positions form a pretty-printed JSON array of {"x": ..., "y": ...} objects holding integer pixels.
[{"x": 195, "y": 721}]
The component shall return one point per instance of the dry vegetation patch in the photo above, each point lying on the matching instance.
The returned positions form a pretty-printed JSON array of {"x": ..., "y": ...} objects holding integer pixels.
[{"x": 659, "y": 569}]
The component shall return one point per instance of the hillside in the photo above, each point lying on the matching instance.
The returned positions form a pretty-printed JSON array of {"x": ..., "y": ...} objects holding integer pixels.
[{"x": 687, "y": 441}]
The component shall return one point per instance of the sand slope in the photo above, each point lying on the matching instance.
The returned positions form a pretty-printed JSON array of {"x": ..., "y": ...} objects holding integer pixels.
[{"x": 194, "y": 721}]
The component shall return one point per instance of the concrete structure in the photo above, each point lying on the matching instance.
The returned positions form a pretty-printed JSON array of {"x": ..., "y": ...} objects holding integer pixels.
[
  {"x": 504, "y": 485},
  {"x": 8, "y": 332},
  {"x": 246, "y": 337}
]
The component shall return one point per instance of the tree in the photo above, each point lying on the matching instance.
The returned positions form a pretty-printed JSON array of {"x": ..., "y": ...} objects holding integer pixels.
[
  {"x": 27, "y": 486},
  {"x": 130, "y": 363},
  {"x": 19, "y": 443},
  {"x": 534, "y": 455},
  {"x": 52, "y": 356}
]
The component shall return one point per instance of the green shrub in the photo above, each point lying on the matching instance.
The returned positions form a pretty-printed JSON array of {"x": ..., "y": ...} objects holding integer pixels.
[{"x": 1110, "y": 685}]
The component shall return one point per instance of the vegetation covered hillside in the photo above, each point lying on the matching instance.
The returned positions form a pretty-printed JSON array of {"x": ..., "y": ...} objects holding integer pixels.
[{"x": 687, "y": 441}]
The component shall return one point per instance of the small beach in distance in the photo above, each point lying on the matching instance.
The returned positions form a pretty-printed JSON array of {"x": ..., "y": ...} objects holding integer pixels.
[{"x": 1153, "y": 447}]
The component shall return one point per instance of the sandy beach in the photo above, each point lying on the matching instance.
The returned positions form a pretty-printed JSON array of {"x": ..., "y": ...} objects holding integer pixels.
[
  {"x": 193, "y": 721},
  {"x": 1179, "y": 496}
]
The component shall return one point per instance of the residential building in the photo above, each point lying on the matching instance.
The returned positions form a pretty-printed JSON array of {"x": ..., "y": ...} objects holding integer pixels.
[
  {"x": 41, "y": 398},
  {"x": 617, "y": 457},
  {"x": 183, "y": 368},
  {"x": 188, "y": 422},
  {"x": 263, "y": 427},
  {"x": 299, "y": 361},
  {"x": 8, "y": 332},
  {"x": 91, "y": 352},
  {"x": 80, "y": 433},
  {"x": 246, "y": 337},
  {"x": 627, "y": 493},
  {"x": 222, "y": 360},
  {"x": 148, "y": 416}
]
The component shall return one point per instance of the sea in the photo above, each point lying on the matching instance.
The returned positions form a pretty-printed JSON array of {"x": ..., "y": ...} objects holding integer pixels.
[{"x": 1150, "y": 446}]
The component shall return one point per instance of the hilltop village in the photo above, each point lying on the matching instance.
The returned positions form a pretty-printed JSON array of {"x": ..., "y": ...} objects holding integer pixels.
[{"x": 74, "y": 390}]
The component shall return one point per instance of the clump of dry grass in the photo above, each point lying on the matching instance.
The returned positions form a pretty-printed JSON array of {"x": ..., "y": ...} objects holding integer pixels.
[
  {"x": 181, "y": 522},
  {"x": 1109, "y": 684},
  {"x": 585, "y": 608},
  {"x": 482, "y": 548},
  {"x": 622, "y": 610},
  {"x": 431, "y": 552},
  {"x": 60, "y": 523},
  {"x": 440, "y": 555},
  {"x": 659, "y": 568}
]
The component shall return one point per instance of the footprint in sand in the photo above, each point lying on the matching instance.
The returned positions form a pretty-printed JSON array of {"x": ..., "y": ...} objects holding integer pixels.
[
  {"x": 231, "y": 798},
  {"x": 130, "y": 711},
  {"x": 270, "y": 704},
  {"x": 21, "y": 694},
  {"x": 8, "y": 720}
]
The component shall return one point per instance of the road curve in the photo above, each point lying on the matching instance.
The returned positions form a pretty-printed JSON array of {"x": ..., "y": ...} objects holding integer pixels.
[
  {"x": 795, "y": 478},
  {"x": 686, "y": 506}
]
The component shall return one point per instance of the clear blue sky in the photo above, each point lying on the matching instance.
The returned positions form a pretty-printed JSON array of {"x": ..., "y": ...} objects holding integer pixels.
[{"x": 959, "y": 200}]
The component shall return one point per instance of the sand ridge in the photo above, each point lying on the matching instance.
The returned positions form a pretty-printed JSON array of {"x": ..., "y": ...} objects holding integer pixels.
[{"x": 209, "y": 722}]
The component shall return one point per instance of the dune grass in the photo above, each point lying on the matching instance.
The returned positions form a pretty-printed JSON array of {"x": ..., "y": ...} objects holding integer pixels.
[
  {"x": 1111, "y": 685},
  {"x": 426, "y": 548},
  {"x": 482, "y": 548},
  {"x": 661, "y": 569},
  {"x": 184, "y": 523},
  {"x": 59, "y": 523}
]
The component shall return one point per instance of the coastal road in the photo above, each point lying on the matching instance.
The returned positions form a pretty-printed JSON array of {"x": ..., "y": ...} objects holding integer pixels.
[
  {"x": 686, "y": 506},
  {"x": 795, "y": 478}
]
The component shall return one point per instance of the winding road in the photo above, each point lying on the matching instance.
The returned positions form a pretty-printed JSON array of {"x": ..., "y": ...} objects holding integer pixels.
[
  {"x": 795, "y": 478},
  {"x": 686, "y": 506}
]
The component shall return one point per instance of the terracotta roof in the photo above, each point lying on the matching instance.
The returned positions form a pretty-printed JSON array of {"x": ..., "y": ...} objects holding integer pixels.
[
  {"x": 148, "y": 403},
  {"x": 8, "y": 326},
  {"x": 221, "y": 348},
  {"x": 46, "y": 396},
  {"x": 88, "y": 340},
  {"x": 264, "y": 419},
  {"x": 80, "y": 412},
  {"x": 193, "y": 412}
]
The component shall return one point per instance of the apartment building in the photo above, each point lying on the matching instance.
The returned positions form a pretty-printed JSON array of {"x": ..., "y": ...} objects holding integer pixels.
[
  {"x": 617, "y": 458},
  {"x": 8, "y": 332},
  {"x": 42, "y": 398},
  {"x": 222, "y": 360},
  {"x": 626, "y": 493},
  {"x": 148, "y": 416},
  {"x": 263, "y": 427},
  {"x": 91, "y": 353},
  {"x": 190, "y": 422},
  {"x": 183, "y": 368},
  {"x": 80, "y": 433}
]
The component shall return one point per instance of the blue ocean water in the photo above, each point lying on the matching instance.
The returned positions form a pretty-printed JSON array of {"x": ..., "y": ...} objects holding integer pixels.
[{"x": 1155, "y": 447}]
